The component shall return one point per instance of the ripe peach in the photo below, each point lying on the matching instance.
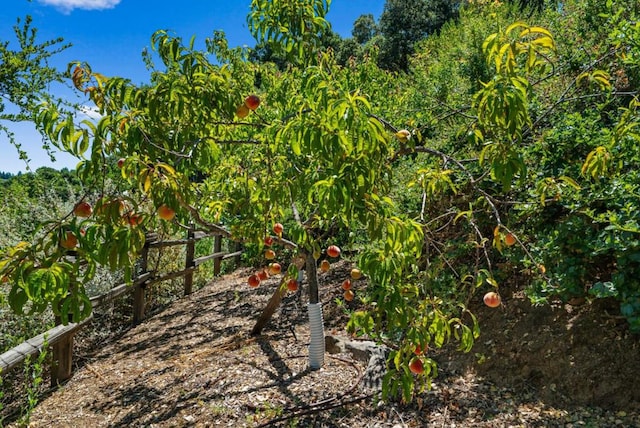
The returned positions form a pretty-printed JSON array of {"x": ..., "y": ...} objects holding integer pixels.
[
  {"x": 492, "y": 299},
  {"x": 263, "y": 274},
  {"x": 69, "y": 240},
  {"x": 419, "y": 351},
  {"x": 108, "y": 206},
  {"x": 82, "y": 209},
  {"x": 120, "y": 163},
  {"x": 349, "y": 295},
  {"x": 278, "y": 229},
  {"x": 325, "y": 266},
  {"x": 252, "y": 102},
  {"x": 269, "y": 254},
  {"x": 242, "y": 111},
  {"x": 356, "y": 273},
  {"x": 416, "y": 366},
  {"x": 333, "y": 251},
  {"x": 268, "y": 241},
  {"x": 275, "y": 268},
  {"x": 509, "y": 240},
  {"x": 166, "y": 213},
  {"x": 253, "y": 281},
  {"x": 134, "y": 219},
  {"x": 292, "y": 285},
  {"x": 346, "y": 284}
]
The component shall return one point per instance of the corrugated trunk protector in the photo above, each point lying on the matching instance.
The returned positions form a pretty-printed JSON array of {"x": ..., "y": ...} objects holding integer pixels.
[{"x": 316, "y": 345}]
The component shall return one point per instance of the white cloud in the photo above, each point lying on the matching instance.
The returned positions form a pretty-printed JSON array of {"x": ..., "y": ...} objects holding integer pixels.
[{"x": 66, "y": 6}]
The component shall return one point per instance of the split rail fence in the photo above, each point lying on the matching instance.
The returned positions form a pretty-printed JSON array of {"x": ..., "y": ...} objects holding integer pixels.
[{"x": 60, "y": 338}]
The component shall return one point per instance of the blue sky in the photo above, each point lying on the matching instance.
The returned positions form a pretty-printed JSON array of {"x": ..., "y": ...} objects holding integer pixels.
[{"x": 111, "y": 34}]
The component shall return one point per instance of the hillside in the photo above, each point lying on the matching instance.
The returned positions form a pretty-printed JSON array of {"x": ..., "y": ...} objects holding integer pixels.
[{"x": 194, "y": 364}]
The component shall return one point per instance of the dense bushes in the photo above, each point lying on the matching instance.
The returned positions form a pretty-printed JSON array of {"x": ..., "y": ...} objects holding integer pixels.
[
  {"x": 555, "y": 164},
  {"x": 574, "y": 195}
]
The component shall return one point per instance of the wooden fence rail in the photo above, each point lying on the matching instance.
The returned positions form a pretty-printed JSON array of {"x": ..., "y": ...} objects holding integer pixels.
[{"x": 60, "y": 338}]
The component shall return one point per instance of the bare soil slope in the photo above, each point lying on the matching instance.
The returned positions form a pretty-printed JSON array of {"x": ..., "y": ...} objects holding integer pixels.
[{"x": 194, "y": 364}]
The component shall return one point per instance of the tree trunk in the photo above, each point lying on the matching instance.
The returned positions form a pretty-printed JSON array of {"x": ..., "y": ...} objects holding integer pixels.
[
  {"x": 269, "y": 310},
  {"x": 312, "y": 278},
  {"x": 275, "y": 301}
]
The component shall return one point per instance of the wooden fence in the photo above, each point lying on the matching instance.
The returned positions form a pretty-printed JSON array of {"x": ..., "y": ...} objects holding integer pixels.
[{"x": 60, "y": 337}]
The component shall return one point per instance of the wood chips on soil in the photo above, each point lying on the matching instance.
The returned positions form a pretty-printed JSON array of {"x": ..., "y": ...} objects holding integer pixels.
[{"x": 194, "y": 364}]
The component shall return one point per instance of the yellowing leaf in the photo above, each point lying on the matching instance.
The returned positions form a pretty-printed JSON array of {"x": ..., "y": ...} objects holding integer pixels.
[
  {"x": 168, "y": 168},
  {"x": 147, "y": 183}
]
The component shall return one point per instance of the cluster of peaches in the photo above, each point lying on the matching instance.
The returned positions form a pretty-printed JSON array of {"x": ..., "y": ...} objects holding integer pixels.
[
  {"x": 250, "y": 104},
  {"x": 83, "y": 209},
  {"x": 274, "y": 268},
  {"x": 334, "y": 252}
]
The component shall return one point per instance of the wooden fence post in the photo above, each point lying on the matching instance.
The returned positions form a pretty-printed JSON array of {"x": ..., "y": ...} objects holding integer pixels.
[
  {"x": 217, "y": 247},
  {"x": 62, "y": 360},
  {"x": 139, "y": 301},
  {"x": 189, "y": 263},
  {"x": 238, "y": 258}
]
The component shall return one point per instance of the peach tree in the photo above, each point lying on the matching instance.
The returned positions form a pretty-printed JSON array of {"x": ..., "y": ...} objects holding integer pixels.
[
  {"x": 237, "y": 147},
  {"x": 228, "y": 145}
]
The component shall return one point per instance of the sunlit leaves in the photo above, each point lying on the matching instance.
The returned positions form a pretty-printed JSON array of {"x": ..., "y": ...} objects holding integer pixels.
[
  {"x": 597, "y": 78},
  {"x": 598, "y": 163},
  {"x": 505, "y": 163},
  {"x": 400, "y": 241},
  {"x": 551, "y": 188},
  {"x": 519, "y": 46},
  {"x": 436, "y": 182},
  {"x": 503, "y": 103}
]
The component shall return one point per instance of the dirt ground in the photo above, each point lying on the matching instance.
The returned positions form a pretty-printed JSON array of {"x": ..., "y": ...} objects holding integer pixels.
[{"x": 194, "y": 364}]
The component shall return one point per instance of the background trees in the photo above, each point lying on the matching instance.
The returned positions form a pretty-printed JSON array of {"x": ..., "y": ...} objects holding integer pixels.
[
  {"x": 364, "y": 28},
  {"x": 405, "y": 22}
]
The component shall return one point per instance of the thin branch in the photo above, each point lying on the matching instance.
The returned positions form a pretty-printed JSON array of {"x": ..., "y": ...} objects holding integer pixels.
[
  {"x": 562, "y": 98},
  {"x": 210, "y": 227},
  {"x": 472, "y": 180},
  {"x": 258, "y": 125},
  {"x": 236, "y": 141},
  {"x": 452, "y": 112},
  {"x": 446, "y": 158},
  {"x": 484, "y": 246},
  {"x": 171, "y": 152},
  {"x": 434, "y": 245},
  {"x": 387, "y": 124}
]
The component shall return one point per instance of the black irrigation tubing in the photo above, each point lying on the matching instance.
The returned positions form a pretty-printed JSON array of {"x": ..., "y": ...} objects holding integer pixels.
[{"x": 326, "y": 404}]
